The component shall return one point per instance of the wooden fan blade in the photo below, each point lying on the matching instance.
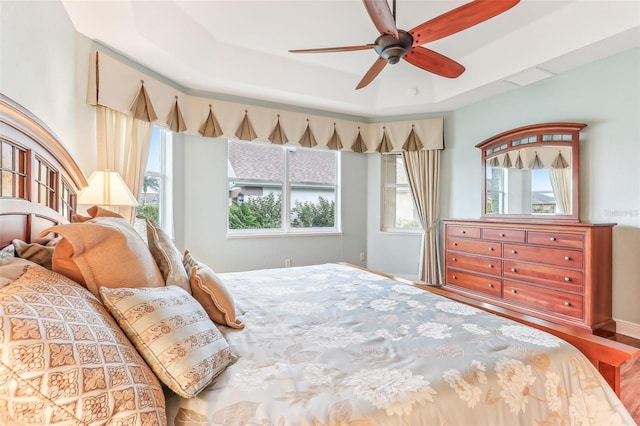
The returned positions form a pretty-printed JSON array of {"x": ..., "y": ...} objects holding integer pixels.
[
  {"x": 381, "y": 16},
  {"x": 434, "y": 62},
  {"x": 373, "y": 72},
  {"x": 335, "y": 49},
  {"x": 459, "y": 19}
]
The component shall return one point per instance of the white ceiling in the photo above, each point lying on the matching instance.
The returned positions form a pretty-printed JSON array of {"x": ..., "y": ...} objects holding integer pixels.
[{"x": 240, "y": 48}]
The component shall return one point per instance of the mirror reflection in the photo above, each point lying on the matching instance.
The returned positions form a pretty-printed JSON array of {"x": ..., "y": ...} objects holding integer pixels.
[{"x": 534, "y": 180}]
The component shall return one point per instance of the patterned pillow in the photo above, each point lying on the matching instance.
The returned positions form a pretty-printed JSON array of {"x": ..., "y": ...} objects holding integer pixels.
[
  {"x": 173, "y": 333},
  {"x": 166, "y": 255},
  {"x": 11, "y": 268},
  {"x": 63, "y": 359},
  {"x": 105, "y": 251},
  {"x": 210, "y": 291}
]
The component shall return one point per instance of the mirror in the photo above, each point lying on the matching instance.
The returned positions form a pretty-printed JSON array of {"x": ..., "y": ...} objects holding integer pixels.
[{"x": 532, "y": 173}]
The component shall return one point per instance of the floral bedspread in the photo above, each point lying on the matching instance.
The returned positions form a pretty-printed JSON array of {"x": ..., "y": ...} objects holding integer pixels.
[{"x": 335, "y": 345}]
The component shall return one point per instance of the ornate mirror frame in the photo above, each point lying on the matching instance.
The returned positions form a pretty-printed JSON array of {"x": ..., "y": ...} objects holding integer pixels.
[{"x": 498, "y": 151}]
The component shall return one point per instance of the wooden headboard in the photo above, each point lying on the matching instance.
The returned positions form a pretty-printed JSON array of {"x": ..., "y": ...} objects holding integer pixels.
[{"x": 39, "y": 180}]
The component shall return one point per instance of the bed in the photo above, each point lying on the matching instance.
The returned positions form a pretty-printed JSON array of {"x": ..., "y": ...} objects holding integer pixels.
[
  {"x": 333, "y": 344},
  {"x": 328, "y": 344}
]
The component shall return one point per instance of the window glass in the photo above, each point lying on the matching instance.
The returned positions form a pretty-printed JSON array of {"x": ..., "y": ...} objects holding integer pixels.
[
  {"x": 312, "y": 179},
  {"x": 495, "y": 190},
  {"x": 398, "y": 209},
  {"x": 274, "y": 188},
  {"x": 543, "y": 200},
  {"x": 155, "y": 198},
  {"x": 256, "y": 180}
]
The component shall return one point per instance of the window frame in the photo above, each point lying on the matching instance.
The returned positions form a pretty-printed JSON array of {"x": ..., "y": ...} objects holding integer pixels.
[
  {"x": 165, "y": 178},
  {"x": 286, "y": 186},
  {"x": 502, "y": 192},
  {"x": 385, "y": 185}
]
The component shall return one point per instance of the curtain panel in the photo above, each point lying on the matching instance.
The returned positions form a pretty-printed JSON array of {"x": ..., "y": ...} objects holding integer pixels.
[
  {"x": 123, "y": 146},
  {"x": 423, "y": 173},
  {"x": 116, "y": 85}
]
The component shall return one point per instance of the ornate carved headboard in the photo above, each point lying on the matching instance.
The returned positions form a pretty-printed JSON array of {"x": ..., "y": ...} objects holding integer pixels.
[{"x": 39, "y": 179}]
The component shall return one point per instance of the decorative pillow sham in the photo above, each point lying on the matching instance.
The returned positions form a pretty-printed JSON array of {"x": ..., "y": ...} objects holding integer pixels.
[
  {"x": 173, "y": 333},
  {"x": 167, "y": 256},
  {"x": 11, "y": 268},
  {"x": 37, "y": 253},
  {"x": 210, "y": 291},
  {"x": 64, "y": 361},
  {"x": 105, "y": 251}
]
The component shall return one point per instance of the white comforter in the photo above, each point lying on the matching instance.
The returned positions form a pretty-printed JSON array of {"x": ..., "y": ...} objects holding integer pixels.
[{"x": 334, "y": 345}]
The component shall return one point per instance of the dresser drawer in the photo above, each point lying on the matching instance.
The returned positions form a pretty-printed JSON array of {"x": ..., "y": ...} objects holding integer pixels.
[
  {"x": 549, "y": 256},
  {"x": 565, "y": 279},
  {"x": 510, "y": 235},
  {"x": 485, "y": 265},
  {"x": 485, "y": 248},
  {"x": 556, "y": 239},
  {"x": 544, "y": 299},
  {"x": 491, "y": 286},
  {"x": 463, "y": 231}
]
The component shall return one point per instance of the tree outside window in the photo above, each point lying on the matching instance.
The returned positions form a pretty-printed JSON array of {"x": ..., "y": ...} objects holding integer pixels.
[{"x": 281, "y": 189}]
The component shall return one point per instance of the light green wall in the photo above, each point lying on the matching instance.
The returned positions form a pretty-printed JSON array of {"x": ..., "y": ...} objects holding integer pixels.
[
  {"x": 203, "y": 176},
  {"x": 44, "y": 67},
  {"x": 606, "y": 96}
]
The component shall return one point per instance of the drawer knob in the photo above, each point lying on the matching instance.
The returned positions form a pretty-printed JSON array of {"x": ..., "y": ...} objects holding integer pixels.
[
  {"x": 552, "y": 239},
  {"x": 567, "y": 304},
  {"x": 513, "y": 269},
  {"x": 490, "y": 266},
  {"x": 501, "y": 234},
  {"x": 567, "y": 258},
  {"x": 567, "y": 279},
  {"x": 514, "y": 251},
  {"x": 455, "y": 244},
  {"x": 490, "y": 285},
  {"x": 513, "y": 290},
  {"x": 463, "y": 232},
  {"x": 455, "y": 277},
  {"x": 455, "y": 259},
  {"x": 490, "y": 248}
]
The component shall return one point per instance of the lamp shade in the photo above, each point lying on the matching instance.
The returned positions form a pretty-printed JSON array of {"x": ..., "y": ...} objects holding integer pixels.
[{"x": 107, "y": 188}]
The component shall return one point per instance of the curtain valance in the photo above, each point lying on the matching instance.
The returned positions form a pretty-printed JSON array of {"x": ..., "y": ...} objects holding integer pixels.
[{"x": 120, "y": 87}]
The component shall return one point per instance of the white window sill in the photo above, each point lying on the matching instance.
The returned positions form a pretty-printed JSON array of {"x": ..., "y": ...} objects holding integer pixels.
[
  {"x": 399, "y": 231},
  {"x": 247, "y": 235}
]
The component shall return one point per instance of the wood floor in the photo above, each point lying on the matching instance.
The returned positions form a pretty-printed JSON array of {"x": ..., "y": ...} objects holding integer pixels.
[{"x": 630, "y": 379}]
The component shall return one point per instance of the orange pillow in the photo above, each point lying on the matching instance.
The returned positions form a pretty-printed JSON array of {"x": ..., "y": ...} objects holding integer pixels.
[
  {"x": 105, "y": 251},
  {"x": 95, "y": 211},
  {"x": 209, "y": 290}
]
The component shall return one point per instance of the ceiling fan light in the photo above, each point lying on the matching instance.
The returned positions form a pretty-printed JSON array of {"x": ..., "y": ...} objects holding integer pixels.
[{"x": 393, "y": 54}]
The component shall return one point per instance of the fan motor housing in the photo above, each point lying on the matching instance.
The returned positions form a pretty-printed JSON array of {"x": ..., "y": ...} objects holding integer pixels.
[{"x": 393, "y": 49}]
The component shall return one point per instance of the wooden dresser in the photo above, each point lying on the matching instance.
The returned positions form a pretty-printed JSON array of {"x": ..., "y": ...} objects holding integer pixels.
[{"x": 556, "y": 272}]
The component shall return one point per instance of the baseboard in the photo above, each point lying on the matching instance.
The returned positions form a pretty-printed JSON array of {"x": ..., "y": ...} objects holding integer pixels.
[{"x": 627, "y": 328}]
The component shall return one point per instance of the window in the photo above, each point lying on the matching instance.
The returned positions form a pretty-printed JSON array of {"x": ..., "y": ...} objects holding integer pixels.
[
  {"x": 398, "y": 210},
  {"x": 543, "y": 200},
  {"x": 275, "y": 189},
  {"x": 497, "y": 182},
  {"x": 155, "y": 200},
  {"x": 519, "y": 191}
]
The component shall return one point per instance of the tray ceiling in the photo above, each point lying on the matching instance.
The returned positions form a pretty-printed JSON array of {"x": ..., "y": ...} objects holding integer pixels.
[{"x": 240, "y": 48}]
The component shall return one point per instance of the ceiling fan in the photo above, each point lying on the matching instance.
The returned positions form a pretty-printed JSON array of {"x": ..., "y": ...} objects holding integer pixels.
[{"x": 394, "y": 44}]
